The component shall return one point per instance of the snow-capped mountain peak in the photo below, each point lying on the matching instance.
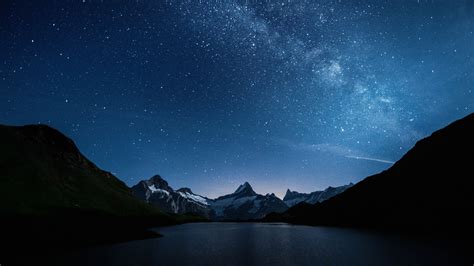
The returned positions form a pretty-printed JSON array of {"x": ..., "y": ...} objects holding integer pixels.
[
  {"x": 190, "y": 196},
  {"x": 157, "y": 192},
  {"x": 157, "y": 182},
  {"x": 244, "y": 204}
]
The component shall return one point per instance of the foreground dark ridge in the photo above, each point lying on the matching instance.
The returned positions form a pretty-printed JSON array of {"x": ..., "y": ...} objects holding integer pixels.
[
  {"x": 43, "y": 172},
  {"x": 430, "y": 189},
  {"x": 52, "y": 195}
]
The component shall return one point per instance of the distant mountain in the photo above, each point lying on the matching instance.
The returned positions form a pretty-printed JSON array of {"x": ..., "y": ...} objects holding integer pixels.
[
  {"x": 292, "y": 197},
  {"x": 243, "y": 204},
  {"x": 157, "y": 192},
  {"x": 429, "y": 189}
]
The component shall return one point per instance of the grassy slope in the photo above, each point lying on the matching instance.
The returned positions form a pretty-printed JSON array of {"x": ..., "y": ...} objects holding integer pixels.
[
  {"x": 42, "y": 171},
  {"x": 53, "y": 198}
]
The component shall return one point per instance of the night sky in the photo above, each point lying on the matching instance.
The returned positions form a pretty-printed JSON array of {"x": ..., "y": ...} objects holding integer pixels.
[{"x": 209, "y": 94}]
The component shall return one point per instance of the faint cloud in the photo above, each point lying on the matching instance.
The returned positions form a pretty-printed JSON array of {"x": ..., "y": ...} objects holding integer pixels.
[
  {"x": 370, "y": 159},
  {"x": 337, "y": 150}
]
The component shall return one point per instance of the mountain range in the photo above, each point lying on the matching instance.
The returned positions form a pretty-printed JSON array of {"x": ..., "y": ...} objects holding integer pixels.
[
  {"x": 292, "y": 197},
  {"x": 157, "y": 192},
  {"x": 45, "y": 175},
  {"x": 243, "y": 204},
  {"x": 430, "y": 189},
  {"x": 50, "y": 190}
]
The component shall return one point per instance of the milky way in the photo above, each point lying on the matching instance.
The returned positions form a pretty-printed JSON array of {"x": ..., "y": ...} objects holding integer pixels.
[{"x": 209, "y": 94}]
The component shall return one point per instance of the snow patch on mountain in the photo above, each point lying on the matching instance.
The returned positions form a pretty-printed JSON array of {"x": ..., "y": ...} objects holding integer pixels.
[
  {"x": 194, "y": 197},
  {"x": 159, "y": 190}
]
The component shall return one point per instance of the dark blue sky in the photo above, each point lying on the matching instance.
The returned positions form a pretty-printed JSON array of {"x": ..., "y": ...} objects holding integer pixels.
[{"x": 209, "y": 94}]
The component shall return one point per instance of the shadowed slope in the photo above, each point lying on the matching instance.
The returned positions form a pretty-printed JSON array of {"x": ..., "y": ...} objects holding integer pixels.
[
  {"x": 54, "y": 198},
  {"x": 42, "y": 172},
  {"x": 429, "y": 189}
]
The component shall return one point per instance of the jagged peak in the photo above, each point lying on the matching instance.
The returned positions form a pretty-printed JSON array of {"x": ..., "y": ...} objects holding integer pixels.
[
  {"x": 245, "y": 188},
  {"x": 246, "y": 184},
  {"x": 242, "y": 187},
  {"x": 157, "y": 178},
  {"x": 271, "y": 195},
  {"x": 159, "y": 182},
  {"x": 290, "y": 194}
]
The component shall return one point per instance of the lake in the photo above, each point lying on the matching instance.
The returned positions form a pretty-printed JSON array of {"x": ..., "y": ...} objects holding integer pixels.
[{"x": 270, "y": 244}]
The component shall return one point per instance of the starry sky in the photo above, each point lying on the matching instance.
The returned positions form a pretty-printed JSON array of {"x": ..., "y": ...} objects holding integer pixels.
[{"x": 209, "y": 94}]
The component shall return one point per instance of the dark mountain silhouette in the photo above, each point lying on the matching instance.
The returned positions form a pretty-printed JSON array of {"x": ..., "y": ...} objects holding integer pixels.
[
  {"x": 43, "y": 172},
  {"x": 51, "y": 195},
  {"x": 430, "y": 189}
]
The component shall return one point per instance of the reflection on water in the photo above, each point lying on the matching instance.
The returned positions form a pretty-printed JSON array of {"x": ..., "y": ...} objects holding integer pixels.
[{"x": 269, "y": 244}]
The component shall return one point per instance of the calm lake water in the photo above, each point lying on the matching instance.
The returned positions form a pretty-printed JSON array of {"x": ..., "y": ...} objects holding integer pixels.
[{"x": 270, "y": 244}]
